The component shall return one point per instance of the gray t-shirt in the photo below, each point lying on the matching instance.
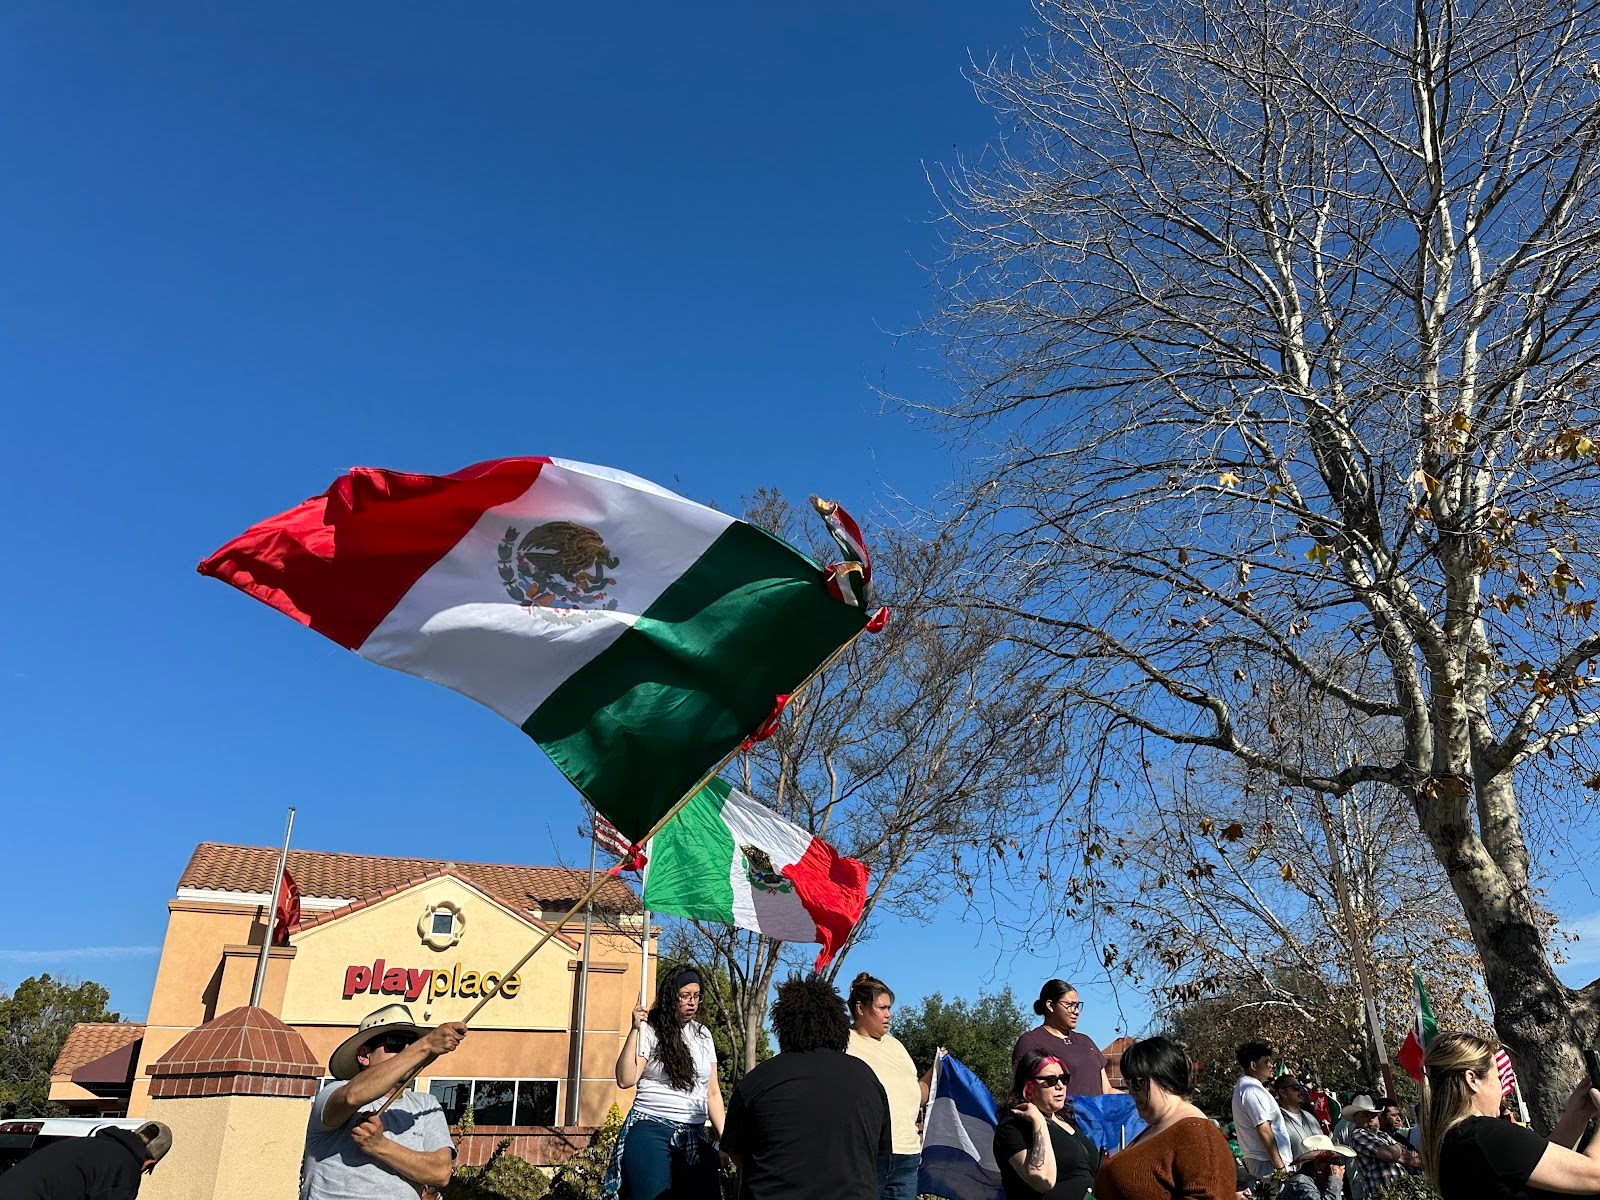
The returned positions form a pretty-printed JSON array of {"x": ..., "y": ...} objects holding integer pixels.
[{"x": 336, "y": 1169}]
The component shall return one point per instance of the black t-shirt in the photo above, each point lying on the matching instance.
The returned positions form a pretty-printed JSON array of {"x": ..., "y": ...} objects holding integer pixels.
[
  {"x": 808, "y": 1125},
  {"x": 1485, "y": 1158},
  {"x": 1077, "y": 1160},
  {"x": 106, "y": 1166}
]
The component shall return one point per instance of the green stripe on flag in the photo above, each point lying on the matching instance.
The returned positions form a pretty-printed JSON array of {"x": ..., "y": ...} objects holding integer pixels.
[
  {"x": 640, "y": 725},
  {"x": 691, "y": 860},
  {"x": 1426, "y": 1025}
]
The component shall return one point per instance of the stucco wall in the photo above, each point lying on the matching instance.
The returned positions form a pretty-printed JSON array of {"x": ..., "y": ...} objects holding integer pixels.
[
  {"x": 224, "y": 1147},
  {"x": 207, "y": 957}
]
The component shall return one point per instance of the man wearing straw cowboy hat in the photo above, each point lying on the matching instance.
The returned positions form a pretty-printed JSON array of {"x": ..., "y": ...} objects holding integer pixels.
[
  {"x": 354, "y": 1152},
  {"x": 1320, "y": 1170}
]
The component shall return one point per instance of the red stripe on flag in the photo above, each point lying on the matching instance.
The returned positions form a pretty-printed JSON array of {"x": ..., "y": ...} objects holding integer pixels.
[
  {"x": 609, "y": 836},
  {"x": 834, "y": 891},
  {"x": 339, "y": 562},
  {"x": 1508, "y": 1075}
]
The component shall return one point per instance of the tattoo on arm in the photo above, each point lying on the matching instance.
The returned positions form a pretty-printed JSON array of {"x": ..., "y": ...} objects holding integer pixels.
[{"x": 1041, "y": 1142}]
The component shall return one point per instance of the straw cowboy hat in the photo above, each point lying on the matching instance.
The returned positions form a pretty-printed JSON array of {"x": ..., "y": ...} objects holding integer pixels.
[
  {"x": 1319, "y": 1144},
  {"x": 1360, "y": 1104},
  {"x": 391, "y": 1018}
]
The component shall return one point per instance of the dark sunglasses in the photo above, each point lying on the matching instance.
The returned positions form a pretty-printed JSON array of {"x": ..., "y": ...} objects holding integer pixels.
[
  {"x": 1051, "y": 1080},
  {"x": 393, "y": 1043}
]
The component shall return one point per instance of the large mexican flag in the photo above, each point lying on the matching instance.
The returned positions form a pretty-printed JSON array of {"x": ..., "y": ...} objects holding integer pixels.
[
  {"x": 636, "y": 636},
  {"x": 729, "y": 859}
]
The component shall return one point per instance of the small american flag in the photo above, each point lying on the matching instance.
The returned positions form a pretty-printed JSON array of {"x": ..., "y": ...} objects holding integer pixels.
[
  {"x": 609, "y": 836},
  {"x": 1508, "y": 1077}
]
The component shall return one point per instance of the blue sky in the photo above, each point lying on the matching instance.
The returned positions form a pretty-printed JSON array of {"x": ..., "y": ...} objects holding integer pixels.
[{"x": 247, "y": 248}]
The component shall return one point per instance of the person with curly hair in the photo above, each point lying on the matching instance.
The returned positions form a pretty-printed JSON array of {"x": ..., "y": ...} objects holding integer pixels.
[
  {"x": 669, "y": 1056},
  {"x": 1468, "y": 1153},
  {"x": 811, "y": 1122}
]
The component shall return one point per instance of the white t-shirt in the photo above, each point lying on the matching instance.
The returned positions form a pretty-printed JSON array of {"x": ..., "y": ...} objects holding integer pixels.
[
  {"x": 1253, "y": 1104},
  {"x": 659, "y": 1098}
]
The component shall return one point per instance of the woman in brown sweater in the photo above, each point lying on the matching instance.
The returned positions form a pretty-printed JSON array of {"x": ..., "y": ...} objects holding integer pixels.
[{"x": 1181, "y": 1154}]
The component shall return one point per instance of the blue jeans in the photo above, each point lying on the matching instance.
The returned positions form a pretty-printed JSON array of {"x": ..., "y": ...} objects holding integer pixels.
[
  {"x": 897, "y": 1176},
  {"x": 654, "y": 1169}
]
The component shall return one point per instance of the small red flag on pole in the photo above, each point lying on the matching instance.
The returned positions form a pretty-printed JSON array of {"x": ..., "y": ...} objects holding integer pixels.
[{"x": 288, "y": 909}]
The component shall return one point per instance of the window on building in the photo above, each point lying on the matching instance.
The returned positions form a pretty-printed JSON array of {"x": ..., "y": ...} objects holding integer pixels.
[
  {"x": 536, "y": 1102},
  {"x": 444, "y": 923},
  {"x": 454, "y": 1095},
  {"x": 497, "y": 1101},
  {"x": 493, "y": 1101}
]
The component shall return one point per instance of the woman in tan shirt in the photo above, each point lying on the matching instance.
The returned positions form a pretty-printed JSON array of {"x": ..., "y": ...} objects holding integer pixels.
[
  {"x": 1181, "y": 1153},
  {"x": 871, "y": 1008}
]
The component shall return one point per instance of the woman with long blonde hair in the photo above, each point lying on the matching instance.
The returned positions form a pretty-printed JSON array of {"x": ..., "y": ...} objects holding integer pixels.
[{"x": 1468, "y": 1153}]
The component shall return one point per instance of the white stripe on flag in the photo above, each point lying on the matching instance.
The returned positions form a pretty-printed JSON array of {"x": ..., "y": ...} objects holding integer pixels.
[
  {"x": 609, "y": 836},
  {"x": 1508, "y": 1076}
]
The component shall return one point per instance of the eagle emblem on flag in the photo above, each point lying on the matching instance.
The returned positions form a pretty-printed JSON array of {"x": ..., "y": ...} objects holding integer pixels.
[
  {"x": 758, "y": 869},
  {"x": 559, "y": 565}
]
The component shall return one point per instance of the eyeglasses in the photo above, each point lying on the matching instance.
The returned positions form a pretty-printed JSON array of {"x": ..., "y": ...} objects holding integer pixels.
[
  {"x": 1075, "y": 1005},
  {"x": 1051, "y": 1080},
  {"x": 393, "y": 1043}
]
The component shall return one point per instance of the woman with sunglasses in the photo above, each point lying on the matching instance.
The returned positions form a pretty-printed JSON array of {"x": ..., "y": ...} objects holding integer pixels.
[
  {"x": 1181, "y": 1153},
  {"x": 1040, "y": 1151},
  {"x": 669, "y": 1056},
  {"x": 1058, "y": 1035}
]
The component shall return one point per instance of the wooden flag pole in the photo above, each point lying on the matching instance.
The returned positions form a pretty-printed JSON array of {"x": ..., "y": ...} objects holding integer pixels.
[{"x": 600, "y": 882}]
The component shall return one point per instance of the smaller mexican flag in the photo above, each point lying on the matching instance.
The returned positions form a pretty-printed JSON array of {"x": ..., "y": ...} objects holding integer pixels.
[
  {"x": 726, "y": 858},
  {"x": 1423, "y": 1027}
]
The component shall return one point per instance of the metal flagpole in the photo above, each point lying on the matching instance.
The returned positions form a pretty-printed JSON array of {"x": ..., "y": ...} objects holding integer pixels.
[
  {"x": 574, "y": 1105},
  {"x": 644, "y": 935},
  {"x": 272, "y": 915}
]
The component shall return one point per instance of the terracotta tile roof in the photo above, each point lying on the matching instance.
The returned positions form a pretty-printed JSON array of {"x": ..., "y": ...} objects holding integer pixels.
[
  {"x": 88, "y": 1042},
  {"x": 307, "y": 920},
  {"x": 246, "y": 1039},
  {"x": 362, "y": 876}
]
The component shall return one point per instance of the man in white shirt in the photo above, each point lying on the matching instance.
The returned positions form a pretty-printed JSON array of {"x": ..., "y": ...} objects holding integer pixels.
[{"x": 1257, "y": 1119}]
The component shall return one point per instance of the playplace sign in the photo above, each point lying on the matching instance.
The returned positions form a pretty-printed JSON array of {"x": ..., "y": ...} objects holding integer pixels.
[{"x": 380, "y": 979}]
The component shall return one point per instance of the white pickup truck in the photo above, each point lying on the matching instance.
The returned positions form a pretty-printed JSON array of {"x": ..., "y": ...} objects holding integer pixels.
[{"x": 21, "y": 1136}]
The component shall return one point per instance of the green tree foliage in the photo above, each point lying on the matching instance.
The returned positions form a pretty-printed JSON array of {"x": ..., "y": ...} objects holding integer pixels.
[
  {"x": 34, "y": 1022},
  {"x": 1213, "y": 1028},
  {"x": 980, "y": 1033}
]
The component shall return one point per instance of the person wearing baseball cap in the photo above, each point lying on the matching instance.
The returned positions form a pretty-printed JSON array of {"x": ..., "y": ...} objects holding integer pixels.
[
  {"x": 354, "y": 1151},
  {"x": 107, "y": 1166},
  {"x": 1319, "y": 1170}
]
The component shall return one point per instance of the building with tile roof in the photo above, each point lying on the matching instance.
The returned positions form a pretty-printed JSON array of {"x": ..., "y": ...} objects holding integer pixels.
[{"x": 428, "y": 933}]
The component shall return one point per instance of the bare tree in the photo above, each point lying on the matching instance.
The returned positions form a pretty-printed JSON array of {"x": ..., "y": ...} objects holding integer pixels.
[
  {"x": 1272, "y": 325},
  {"x": 1228, "y": 883},
  {"x": 917, "y": 753}
]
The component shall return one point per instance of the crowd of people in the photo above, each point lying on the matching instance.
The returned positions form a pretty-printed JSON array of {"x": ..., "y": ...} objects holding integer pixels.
[{"x": 836, "y": 1115}]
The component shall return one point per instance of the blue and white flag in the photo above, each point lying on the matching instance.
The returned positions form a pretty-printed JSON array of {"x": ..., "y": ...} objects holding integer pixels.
[{"x": 958, "y": 1138}]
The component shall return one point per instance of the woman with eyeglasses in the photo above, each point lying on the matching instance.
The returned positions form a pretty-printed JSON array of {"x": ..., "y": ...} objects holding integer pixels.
[
  {"x": 1040, "y": 1151},
  {"x": 1058, "y": 1035},
  {"x": 669, "y": 1056},
  {"x": 1181, "y": 1152}
]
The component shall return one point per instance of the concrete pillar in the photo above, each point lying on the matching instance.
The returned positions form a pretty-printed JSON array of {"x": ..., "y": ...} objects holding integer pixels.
[{"x": 237, "y": 1093}]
